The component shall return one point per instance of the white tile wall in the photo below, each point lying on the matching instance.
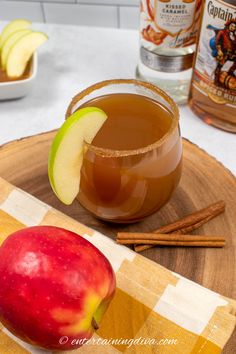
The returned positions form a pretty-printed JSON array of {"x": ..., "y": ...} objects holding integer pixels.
[
  {"x": 40, "y": 1},
  {"x": 105, "y": 13},
  {"x": 60, "y": 1},
  {"x": 77, "y": 14},
  {"x": 10, "y": 10},
  {"x": 129, "y": 17},
  {"x": 110, "y": 2}
]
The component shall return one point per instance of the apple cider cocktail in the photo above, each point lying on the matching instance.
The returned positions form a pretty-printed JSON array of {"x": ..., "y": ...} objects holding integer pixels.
[{"x": 133, "y": 164}]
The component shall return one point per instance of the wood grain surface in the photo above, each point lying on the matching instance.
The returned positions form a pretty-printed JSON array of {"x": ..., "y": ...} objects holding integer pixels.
[{"x": 204, "y": 181}]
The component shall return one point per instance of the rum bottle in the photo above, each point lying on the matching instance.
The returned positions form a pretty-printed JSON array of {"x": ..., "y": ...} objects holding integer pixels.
[
  {"x": 168, "y": 32},
  {"x": 213, "y": 88}
]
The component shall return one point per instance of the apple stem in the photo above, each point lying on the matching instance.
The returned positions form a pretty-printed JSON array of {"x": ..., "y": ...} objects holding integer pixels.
[{"x": 94, "y": 324}]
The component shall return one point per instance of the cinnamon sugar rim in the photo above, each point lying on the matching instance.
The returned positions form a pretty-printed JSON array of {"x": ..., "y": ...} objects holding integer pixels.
[{"x": 154, "y": 89}]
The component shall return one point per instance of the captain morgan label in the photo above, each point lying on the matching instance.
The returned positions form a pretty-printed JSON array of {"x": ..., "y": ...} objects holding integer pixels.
[{"x": 215, "y": 67}]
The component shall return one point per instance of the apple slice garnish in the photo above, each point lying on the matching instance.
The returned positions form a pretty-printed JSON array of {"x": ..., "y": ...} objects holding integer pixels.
[
  {"x": 21, "y": 52},
  {"x": 11, "y": 27},
  {"x": 67, "y": 150},
  {"x": 9, "y": 42}
]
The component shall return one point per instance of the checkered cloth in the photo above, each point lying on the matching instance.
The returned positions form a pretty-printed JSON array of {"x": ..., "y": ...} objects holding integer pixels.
[{"x": 150, "y": 301}]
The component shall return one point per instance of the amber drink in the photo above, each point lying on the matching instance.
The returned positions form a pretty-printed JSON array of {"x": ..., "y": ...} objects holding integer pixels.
[{"x": 133, "y": 165}]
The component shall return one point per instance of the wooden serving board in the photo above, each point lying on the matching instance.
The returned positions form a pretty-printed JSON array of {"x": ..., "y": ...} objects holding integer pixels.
[{"x": 204, "y": 181}]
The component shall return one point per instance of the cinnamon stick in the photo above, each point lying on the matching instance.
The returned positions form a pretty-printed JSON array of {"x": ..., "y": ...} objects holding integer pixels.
[
  {"x": 140, "y": 237},
  {"x": 190, "y": 220},
  {"x": 180, "y": 243},
  {"x": 171, "y": 240},
  {"x": 188, "y": 223}
]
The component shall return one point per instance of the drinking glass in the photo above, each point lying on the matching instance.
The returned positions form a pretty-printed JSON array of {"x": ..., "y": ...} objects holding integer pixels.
[{"x": 124, "y": 186}]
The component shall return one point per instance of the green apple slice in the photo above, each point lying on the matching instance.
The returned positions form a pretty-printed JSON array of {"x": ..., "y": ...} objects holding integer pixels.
[
  {"x": 21, "y": 52},
  {"x": 9, "y": 42},
  {"x": 67, "y": 150},
  {"x": 11, "y": 27}
]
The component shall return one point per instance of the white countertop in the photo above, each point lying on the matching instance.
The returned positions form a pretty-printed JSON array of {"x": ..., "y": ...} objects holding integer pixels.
[{"x": 76, "y": 57}]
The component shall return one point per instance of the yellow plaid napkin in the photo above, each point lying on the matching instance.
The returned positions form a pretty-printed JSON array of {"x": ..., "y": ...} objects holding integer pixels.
[{"x": 151, "y": 302}]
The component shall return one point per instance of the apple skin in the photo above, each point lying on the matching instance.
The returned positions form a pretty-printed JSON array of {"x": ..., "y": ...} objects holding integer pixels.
[
  {"x": 67, "y": 150},
  {"x": 53, "y": 283}
]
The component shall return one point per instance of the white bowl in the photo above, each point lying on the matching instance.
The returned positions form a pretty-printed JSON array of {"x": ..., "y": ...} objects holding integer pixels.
[{"x": 20, "y": 88}]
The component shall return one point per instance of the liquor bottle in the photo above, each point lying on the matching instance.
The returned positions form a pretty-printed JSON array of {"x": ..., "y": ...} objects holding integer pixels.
[
  {"x": 168, "y": 32},
  {"x": 213, "y": 88}
]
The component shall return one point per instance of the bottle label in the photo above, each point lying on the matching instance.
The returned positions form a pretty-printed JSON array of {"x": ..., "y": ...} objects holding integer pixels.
[
  {"x": 169, "y": 23},
  {"x": 215, "y": 67}
]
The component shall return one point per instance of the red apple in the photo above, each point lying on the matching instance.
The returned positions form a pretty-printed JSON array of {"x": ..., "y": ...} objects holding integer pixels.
[{"x": 53, "y": 284}]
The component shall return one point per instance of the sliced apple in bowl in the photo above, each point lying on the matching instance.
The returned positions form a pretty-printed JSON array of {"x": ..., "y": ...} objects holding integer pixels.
[
  {"x": 12, "y": 27},
  {"x": 9, "y": 43},
  {"x": 67, "y": 150},
  {"x": 21, "y": 52}
]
